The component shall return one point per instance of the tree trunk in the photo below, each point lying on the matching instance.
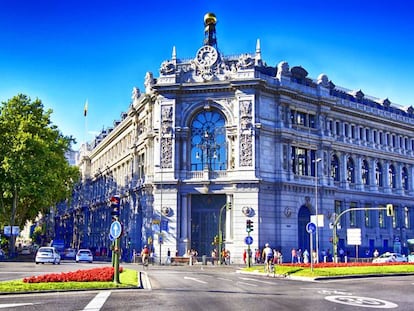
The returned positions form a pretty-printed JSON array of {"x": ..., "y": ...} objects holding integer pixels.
[{"x": 12, "y": 219}]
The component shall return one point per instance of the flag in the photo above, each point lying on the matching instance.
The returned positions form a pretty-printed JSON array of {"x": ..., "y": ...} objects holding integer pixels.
[{"x": 85, "y": 109}]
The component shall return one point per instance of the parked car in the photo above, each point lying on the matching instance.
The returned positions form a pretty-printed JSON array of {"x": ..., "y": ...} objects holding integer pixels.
[
  {"x": 84, "y": 255},
  {"x": 390, "y": 257},
  {"x": 69, "y": 253},
  {"x": 47, "y": 254},
  {"x": 25, "y": 250}
]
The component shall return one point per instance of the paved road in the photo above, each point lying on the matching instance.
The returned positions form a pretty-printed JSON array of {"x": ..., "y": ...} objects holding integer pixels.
[{"x": 222, "y": 288}]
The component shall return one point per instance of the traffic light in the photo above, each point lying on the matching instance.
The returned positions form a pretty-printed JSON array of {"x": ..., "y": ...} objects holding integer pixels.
[
  {"x": 249, "y": 225},
  {"x": 390, "y": 210},
  {"x": 115, "y": 203}
]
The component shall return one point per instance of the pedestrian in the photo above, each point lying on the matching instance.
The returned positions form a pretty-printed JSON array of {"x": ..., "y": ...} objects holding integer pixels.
[
  {"x": 244, "y": 256},
  {"x": 305, "y": 256},
  {"x": 213, "y": 256},
  {"x": 294, "y": 255},
  {"x": 299, "y": 255},
  {"x": 314, "y": 256},
  {"x": 267, "y": 256},
  {"x": 168, "y": 260}
]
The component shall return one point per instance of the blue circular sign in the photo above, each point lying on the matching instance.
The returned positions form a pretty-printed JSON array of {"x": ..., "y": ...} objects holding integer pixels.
[
  {"x": 248, "y": 240},
  {"x": 310, "y": 227},
  {"x": 116, "y": 229}
]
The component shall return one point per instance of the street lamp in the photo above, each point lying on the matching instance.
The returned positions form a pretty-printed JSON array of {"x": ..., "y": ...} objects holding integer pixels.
[
  {"x": 316, "y": 208},
  {"x": 209, "y": 150},
  {"x": 161, "y": 190},
  {"x": 226, "y": 206}
]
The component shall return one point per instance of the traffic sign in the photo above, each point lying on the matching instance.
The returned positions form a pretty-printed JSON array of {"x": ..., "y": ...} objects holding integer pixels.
[
  {"x": 248, "y": 240},
  {"x": 116, "y": 229},
  {"x": 310, "y": 227}
]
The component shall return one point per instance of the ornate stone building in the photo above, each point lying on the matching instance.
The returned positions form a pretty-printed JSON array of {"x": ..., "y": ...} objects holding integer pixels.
[{"x": 216, "y": 140}]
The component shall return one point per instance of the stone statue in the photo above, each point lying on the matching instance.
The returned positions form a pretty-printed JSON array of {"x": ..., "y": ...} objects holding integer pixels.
[
  {"x": 135, "y": 93},
  {"x": 323, "y": 80},
  {"x": 282, "y": 69},
  {"x": 149, "y": 82}
]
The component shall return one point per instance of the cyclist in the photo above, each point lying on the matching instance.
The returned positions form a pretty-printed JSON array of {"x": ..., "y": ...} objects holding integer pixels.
[
  {"x": 267, "y": 256},
  {"x": 145, "y": 255}
]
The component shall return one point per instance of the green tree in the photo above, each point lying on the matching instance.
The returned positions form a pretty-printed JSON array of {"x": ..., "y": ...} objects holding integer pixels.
[{"x": 34, "y": 173}]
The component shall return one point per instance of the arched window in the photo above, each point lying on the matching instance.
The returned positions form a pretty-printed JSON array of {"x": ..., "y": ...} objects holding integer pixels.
[
  {"x": 335, "y": 167},
  {"x": 378, "y": 175},
  {"x": 365, "y": 172},
  {"x": 404, "y": 178},
  {"x": 208, "y": 141},
  {"x": 391, "y": 176},
  {"x": 350, "y": 169}
]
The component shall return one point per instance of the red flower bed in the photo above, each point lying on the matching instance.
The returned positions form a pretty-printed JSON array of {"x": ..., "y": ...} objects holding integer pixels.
[
  {"x": 104, "y": 274},
  {"x": 345, "y": 264}
]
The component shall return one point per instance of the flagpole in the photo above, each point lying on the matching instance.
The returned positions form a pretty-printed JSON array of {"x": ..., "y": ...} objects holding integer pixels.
[{"x": 85, "y": 114}]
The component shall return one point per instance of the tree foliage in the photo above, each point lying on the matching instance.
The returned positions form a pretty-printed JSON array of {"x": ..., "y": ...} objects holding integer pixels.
[{"x": 34, "y": 173}]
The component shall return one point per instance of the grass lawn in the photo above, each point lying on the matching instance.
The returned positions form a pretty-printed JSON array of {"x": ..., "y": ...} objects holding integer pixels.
[
  {"x": 324, "y": 270},
  {"x": 128, "y": 278}
]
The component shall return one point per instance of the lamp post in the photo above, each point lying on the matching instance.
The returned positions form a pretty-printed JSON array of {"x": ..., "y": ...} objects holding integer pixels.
[
  {"x": 220, "y": 233},
  {"x": 209, "y": 150},
  {"x": 161, "y": 190},
  {"x": 316, "y": 209}
]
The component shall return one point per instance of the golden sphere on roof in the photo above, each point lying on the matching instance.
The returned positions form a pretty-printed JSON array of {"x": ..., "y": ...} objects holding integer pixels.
[{"x": 210, "y": 18}]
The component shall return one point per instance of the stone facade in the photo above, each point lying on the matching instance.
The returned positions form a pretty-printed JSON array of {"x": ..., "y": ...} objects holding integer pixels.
[{"x": 277, "y": 146}]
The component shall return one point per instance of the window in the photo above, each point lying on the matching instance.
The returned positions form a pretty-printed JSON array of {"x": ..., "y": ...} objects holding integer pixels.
[
  {"x": 346, "y": 129},
  {"x": 208, "y": 141},
  {"x": 378, "y": 175},
  {"x": 381, "y": 218},
  {"x": 407, "y": 220},
  {"x": 350, "y": 168},
  {"x": 404, "y": 178},
  {"x": 365, "y": 172},
  {"x": 368, "y": 216},
  {"x": 302, "y": 118},
  {"x": 395, "y": 218},
  {"x": 300, "y": 161},
  {"x": 352, "y": 214},
  {"x": 381, "y": 138},
  {"x": 335, "y": 167},
  {"x": 391, "y": 176},
  {"x": 353, "y": 131}
]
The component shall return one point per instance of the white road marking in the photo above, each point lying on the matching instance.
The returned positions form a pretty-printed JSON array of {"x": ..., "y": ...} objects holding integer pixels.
[
  {"x": 248, "y": 284},
  {"x": 224, "y": 279},
  {"x": 96, "y": 303},
  {"x": 13, "y": 305},
  {"x": 258, "y": 281},
  {"x": 194, "y": 279},
  {"x": 364, "y": 302}
]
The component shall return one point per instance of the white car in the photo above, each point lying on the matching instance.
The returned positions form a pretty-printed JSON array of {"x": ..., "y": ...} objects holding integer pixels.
[
  {"x": 69, "y": 253},
  {"x": 84, "y": 255},
  {"x": 47, "y": 255},
  {"x": 25, "y": 250},
  {"x": 390, "y": 257}
]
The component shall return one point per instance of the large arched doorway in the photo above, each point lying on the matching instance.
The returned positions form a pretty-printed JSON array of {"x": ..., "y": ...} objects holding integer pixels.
[
  {"x": 303, "y": 235},
  {"x": 205, "y": 210}
]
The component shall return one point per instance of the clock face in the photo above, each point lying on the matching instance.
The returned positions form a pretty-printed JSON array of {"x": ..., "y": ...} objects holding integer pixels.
[{"x": 206, "y": 56}]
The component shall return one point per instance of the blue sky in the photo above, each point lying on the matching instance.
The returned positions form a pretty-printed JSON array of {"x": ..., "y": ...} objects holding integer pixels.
[{"x": 67, "y": 52}]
